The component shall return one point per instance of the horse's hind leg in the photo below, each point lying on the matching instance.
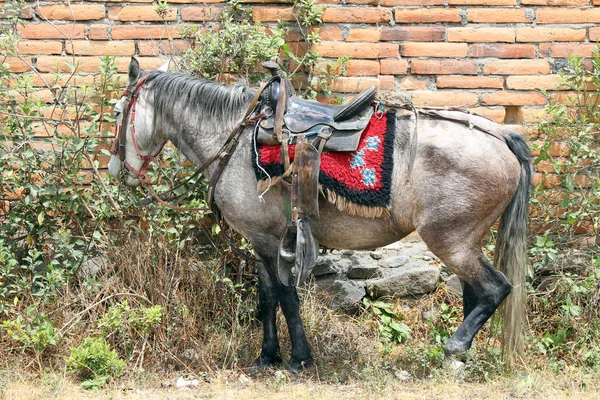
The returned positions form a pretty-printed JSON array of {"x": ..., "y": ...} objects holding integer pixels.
[{"x": 484, "y": 287}]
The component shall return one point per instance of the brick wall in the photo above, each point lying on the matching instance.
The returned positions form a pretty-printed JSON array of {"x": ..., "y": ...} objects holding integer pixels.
[{"x": 491, "y": 56}]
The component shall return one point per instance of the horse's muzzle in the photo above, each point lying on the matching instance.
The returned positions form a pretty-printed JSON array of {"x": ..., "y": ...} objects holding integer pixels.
[{"x": 114, "y": 169}]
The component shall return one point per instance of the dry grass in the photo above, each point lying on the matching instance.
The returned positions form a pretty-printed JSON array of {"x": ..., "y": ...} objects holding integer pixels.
[{"x": 210, "y": 330}]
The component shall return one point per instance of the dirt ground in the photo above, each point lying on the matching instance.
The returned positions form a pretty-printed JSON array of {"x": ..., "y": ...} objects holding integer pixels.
[{"x": 239, "y": 387}]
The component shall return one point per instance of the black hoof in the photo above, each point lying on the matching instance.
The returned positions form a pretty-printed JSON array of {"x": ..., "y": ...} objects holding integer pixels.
[
  {"x": 297, "y": 367},
  {"x": 263, "y": 362}
]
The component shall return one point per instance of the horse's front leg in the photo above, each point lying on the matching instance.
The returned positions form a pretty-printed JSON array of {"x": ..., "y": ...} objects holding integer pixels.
[
  {"x": 272, "y": 293},
  {"x": 290, "y": 304},
  {"x": 267, "y": 298}
]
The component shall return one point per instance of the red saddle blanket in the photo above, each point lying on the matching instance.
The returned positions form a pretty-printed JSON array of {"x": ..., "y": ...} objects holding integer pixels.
[{"x": 362, "y": 177}]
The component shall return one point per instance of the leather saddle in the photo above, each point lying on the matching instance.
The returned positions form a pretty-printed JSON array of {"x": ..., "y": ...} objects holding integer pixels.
[{"x": 346, "y": 122}]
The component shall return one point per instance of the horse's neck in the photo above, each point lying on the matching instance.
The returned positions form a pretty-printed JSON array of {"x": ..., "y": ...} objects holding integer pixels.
[{"x": 200, "y": 141}]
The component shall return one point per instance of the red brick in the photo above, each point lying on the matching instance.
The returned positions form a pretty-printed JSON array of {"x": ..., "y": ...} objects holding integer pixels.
[
  {"x": 532, "y": 114},
  {"x": 469, "y": 82},
  {"x": 444, "y": 67},
  {"x": 472, "y": 35},
  {"x": 516, "y": 67},
  {"x": 547, "y": 181},
  {"x": 414, "y": 82},
  {"x": 98, "y": 32},
  {"x": 133, "y": 1},
  {"x": 17, "y": 64},
  {"x": 175, "y": 46},
  {"x": 502, "y": 50},
  {"x": 357, "y": 50},
  {"x": 560, "y": 50},
  {"x": 371, "y": 34},
  {"x": 557, "y": 149},
  {"x": 362, "y": 68},
  {"x": 550, "y": 35},
  {"x": 104, "y": 48},
  {"x": 356, "y": 15},
  {"x": 74, "y": 12},
  {"x": 41, "y": 80},
  {"x": 482, "y": 2},
  {"x": 83, "y": 64},
  {"x": 571, "y": 98},
  {"x": 353, "y": 85},
  {"x": 121, "y": 32},
  {"x": 148, "y": 48},
  {"x": 513, "y": 98},
  {"x": 216, "y": 1},
  {"x": 454, "y": 50},
  {"x": 497, "y": 15},
  {"x": 420, "y": 3},
  {"x": 595, "y": 34},
  {"x": 48, "y": 31},
  {"x": 555, "y": 2},
  {"x": 329, "y": 33},
  {"x": 270, "y": 14},
  {"x": 138, "y": 13},
  {"x": 533, "y": 82},
  {"x": 394, "y": 67},
  {"x": 387, "y": 82},
  {"x": 567, "y": 16},
  {"x": 426, "y": 15},
  {"x": 496, "y": 114},
  {"x": 444, "y": 98},
  {"x": 39, "y": 47},
  {"x": 413, "y": 33}
]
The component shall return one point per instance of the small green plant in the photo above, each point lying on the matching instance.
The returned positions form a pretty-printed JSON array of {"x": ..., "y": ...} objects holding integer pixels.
[
  {"x": 391, "y": 327},
  {"x": 162, "y": 8},
  {"x": 238, "y": 47},
  {"x": 95, "y": 362}
]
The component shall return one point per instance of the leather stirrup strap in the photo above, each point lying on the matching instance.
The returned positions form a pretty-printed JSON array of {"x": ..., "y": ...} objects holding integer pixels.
[{"x": 413, "y": 145}]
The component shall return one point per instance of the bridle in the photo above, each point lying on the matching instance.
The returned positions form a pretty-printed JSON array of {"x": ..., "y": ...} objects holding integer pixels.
[{"x": 118, "y": 147}]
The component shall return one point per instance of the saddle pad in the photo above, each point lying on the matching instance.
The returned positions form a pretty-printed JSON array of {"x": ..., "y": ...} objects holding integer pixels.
[{"x": 362, "y": 177}]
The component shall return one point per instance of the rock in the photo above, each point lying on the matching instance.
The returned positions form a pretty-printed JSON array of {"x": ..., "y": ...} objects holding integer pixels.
[
  {"x": 403, "y": 375},
  {"x": 93, "y": 266},
  {"x": 347, "y": 293},
  {"x": 348, "y": 252},
  {"x": 376, "y": 255},
  {"x": 324, "y": 266},
  {"x": 184, "y": 383},
  {"x": 396, "y": 262},
  {"x": 411, "y": 280},
  {"x": 394, "y": 246},
  {"x": 454, "y": 285},
  {"x": 431, "y": 315},
  {"x": 364, "y": 272},
  {"x": 343, "y": 265}
]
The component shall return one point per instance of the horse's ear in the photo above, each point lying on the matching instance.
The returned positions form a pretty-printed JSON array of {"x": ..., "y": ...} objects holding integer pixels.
[
  {"x": 165, "y": 67},
  {"x": 134, "y": 70}
]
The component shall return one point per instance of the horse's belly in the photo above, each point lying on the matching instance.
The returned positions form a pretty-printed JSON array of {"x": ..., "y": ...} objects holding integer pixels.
[{"x": 341, "y": 231}]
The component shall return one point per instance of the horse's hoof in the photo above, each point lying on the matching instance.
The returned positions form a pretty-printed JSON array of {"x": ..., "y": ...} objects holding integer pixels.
[
  {"x": 297, "y": 367},
  {"x": 263, "y": 363},
  {"x": 456, "y": 367}
]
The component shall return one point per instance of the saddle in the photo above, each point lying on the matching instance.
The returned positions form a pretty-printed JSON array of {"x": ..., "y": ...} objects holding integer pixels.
[
  {"x": 284, "y": 119},
  {"x": 345, "y": 122}
]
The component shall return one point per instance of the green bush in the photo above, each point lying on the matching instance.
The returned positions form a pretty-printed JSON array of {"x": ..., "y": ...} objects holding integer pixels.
[{"x": 95, "y": 362}]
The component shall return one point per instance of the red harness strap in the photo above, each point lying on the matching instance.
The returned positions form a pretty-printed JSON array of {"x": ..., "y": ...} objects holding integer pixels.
[{"x": 118, "y": 148}]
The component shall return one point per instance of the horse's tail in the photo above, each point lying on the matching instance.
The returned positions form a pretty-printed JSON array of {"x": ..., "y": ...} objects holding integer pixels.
[{"x": 511, "y": 252}]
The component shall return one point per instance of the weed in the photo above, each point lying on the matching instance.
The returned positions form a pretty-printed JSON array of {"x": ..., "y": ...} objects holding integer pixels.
[{"x": 95, "y": 362}]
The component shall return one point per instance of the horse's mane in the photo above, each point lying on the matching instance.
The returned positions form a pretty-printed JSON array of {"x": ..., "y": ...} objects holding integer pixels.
[{"x": 186, "y": 97}]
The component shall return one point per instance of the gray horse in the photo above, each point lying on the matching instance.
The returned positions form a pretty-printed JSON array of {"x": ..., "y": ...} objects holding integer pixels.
[{"x": 467, "y": 173}]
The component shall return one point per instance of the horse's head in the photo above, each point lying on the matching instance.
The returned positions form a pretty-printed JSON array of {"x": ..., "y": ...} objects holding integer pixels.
[{"x": 136, "y": 142}]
